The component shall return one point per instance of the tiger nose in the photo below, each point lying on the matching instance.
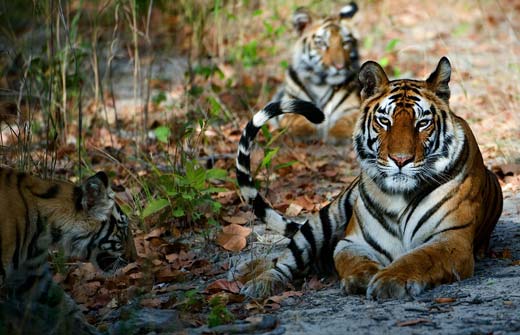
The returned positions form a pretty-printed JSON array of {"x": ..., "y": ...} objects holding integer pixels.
[
  {"x": 339, "y": 66},
  {"x": 401, "y": 159}
]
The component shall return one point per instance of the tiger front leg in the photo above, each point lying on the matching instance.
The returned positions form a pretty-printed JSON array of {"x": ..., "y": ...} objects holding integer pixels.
[
  {"x": 355, "y": 266},
  {"x": 447, "y": 259}
]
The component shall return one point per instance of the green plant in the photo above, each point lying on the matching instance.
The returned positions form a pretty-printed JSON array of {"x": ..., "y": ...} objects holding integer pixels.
[
  {"x": 219, "y": 314},
  {"x": 188, "y": 194},
  {"x": 59, "y": 261},
  {"x": 270, "y": 152},
  {"x": 390, "y": 49},
  {"x": 193, "y": 300}
]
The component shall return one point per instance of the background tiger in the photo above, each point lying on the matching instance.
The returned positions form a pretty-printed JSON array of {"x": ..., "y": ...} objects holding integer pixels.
[
  {"x": 324, "y": 68},
  {"x": 422, "y": 206},
  {"x": 83, "y": 221}
]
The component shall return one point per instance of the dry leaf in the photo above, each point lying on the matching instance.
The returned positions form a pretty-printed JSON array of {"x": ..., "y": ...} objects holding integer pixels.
[
  {"x": 227, "y": 198},
  {"x": 156, "y": 232},
  {"x": 236, "y": 219},
  {"x": 130, "y": 268},
  {"x": 91, "y": 288},
  {"x": 233, "y": 237},
  {"x": 293, "y": 209},
  {"x": 168, "y": 274},
  {"x": 172, "y": 257},
  {"x": 281, "y": 297},
  {"x": 305, "y": 202},
  {"x": 157, "y": 262},
  {"x": 224, "y": 285}
]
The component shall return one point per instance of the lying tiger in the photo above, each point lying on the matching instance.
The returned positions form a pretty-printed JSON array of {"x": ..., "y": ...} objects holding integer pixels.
[
  {"x": 324, "y": 68},
  {"x": 83, "y": 221},
  {"x": 422, "y": 206}
]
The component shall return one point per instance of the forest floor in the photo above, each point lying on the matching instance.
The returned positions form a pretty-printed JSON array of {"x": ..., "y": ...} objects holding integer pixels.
[
  {"x": 483, "y": 46},
  {"x": 179, "y": 284}
]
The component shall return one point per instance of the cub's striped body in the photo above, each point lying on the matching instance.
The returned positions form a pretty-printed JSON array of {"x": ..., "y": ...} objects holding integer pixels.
[
  {"x": 422, "y": 206},
  {"x": 83, "y": 221},
  {"x": 324, "y": 68}
]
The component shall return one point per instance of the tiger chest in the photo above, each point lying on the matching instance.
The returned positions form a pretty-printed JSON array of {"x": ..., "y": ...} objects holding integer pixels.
[{"x": 393, "y": 227}]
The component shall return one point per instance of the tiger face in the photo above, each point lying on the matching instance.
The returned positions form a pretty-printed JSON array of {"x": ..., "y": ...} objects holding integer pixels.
[
  {"x": 326, "y": 52},
  {"x": 84, "y": 221},
  {"x": 405, "y": 136},
  {"x": 111, "y": 244}
]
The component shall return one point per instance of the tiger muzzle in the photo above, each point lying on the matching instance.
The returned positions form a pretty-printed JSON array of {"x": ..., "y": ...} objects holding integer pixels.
[{"x": 401, "y": 159}]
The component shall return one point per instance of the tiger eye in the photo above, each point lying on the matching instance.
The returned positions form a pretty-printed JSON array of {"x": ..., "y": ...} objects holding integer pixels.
[{"x": 423, "y": 123}]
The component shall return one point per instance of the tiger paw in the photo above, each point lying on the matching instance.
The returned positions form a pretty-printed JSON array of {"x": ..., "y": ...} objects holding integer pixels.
[
  {"x": 355, "y": 272},
  {"x": 264, "y": 286},
  {"x": 384, "y": 285},
  {"x": 355, "y": 284}
]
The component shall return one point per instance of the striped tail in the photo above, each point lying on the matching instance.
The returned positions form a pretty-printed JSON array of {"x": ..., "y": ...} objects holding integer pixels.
[{"x": 262, "y": 209}]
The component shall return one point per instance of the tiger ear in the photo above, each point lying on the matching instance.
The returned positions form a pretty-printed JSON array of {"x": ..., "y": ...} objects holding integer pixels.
[
  {"x": 372, "y": 78},
  {"x": 94, "y": 191},
  {"x": 301, "y": 19},
  {"x": 439, "y": 79}
]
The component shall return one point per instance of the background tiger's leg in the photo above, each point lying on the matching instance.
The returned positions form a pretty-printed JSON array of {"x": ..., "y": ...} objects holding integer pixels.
[
  {"x": 355, "y": 265},
  {"x": 343, "y": 128},
  {"x": 448, "y": 259},
  {"x": 298, "y": 126}
]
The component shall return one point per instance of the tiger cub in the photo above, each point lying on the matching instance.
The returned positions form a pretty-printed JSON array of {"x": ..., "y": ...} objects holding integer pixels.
[
  {"x": 422, "y": 206},
  {"x": 83, "y": 221},
  {"x": 324, "y": 68}
]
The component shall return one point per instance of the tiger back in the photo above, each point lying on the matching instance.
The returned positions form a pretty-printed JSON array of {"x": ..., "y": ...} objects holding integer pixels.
[
  {"x": 83, "y": 221},
  {"x": 323, "y": 70},
  {"x": 423, "y": 205}
]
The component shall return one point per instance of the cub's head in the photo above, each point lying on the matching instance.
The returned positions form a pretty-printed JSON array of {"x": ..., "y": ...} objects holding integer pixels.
[
  {"x": 98, "y": 230},
  {"x": 326, "y": 52},
  {"x": 406, "y": 136}
]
